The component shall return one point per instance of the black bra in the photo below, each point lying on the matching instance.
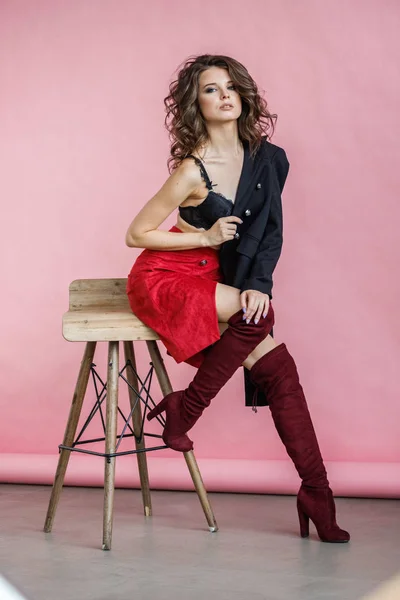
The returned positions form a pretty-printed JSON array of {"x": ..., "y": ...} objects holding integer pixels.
[{"x": 214, "y": 206}]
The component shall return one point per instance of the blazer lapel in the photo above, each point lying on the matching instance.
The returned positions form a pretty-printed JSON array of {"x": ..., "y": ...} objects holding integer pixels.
[{"x": 249, "y": 172}]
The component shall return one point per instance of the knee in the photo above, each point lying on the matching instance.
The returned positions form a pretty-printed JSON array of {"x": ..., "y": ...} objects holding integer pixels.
[{"x": 264, "y": 324}]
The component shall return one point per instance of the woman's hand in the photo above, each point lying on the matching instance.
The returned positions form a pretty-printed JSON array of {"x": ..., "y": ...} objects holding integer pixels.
[
  {"x": 255, "y": 304},
  {"x": 223, "y": 230}
]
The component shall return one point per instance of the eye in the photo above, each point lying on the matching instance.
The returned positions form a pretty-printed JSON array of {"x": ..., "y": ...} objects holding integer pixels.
[{"x": 211, "y": 89}]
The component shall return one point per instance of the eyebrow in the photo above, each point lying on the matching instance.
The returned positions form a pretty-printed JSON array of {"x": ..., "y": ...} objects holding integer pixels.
[{"x": 213, "y": 83}]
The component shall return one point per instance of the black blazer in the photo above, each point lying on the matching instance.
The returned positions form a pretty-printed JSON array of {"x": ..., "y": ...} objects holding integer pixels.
[{"x": 248, "y": 261}]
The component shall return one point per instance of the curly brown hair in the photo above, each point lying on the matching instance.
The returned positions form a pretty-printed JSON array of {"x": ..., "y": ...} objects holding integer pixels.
[{"x": 184, "y": 120}]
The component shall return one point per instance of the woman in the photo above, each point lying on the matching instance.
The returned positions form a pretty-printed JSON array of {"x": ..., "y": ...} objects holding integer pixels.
[{"x": 215, "y": 266}]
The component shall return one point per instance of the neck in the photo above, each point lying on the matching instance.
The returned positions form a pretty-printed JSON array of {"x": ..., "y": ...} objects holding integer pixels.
[{"x": 223, "y": 140}]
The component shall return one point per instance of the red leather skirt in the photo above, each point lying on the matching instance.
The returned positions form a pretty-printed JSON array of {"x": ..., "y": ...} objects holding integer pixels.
[{"x": 173, "y": 292}]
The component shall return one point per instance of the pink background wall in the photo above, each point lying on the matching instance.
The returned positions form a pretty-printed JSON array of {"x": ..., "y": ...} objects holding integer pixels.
[{"x": 82, "y": 148}]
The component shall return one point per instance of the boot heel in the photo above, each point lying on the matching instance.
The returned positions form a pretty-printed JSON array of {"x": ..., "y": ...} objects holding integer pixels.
[
  {"x": 304, "y": 522},
  {"x": 161, "y": 406}
]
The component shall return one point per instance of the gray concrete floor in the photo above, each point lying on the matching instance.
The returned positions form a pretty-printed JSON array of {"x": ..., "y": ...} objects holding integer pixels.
[{"x": 257, "y": 553}]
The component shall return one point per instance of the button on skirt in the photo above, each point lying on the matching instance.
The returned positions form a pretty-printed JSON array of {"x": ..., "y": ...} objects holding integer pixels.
[{"x": 173, "y": 292}]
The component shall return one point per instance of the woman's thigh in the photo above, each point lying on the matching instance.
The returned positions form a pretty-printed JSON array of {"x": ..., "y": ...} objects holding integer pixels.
[{"x": 227, "y": 300}]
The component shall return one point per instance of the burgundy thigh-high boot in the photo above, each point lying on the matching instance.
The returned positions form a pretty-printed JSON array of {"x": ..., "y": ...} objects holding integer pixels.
[
  {"x": 183, "y": 408},
  {"x": 276, "y": 374}
]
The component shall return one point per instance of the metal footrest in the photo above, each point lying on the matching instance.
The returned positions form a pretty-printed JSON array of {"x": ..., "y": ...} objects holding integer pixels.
[{"x": 143, "y": 395}]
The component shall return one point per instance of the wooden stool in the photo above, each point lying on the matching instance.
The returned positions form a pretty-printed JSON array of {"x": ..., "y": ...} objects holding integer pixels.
[{"x": 99, "y": 311}]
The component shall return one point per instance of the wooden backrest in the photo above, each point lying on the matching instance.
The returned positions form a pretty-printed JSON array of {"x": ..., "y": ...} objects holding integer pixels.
[{"x": 100, "y": 295}]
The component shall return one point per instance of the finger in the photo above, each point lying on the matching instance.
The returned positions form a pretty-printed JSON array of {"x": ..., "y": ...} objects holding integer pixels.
[
  {"x": 259, "y": 311},
  {"x": 266, "y": 307},
  {"x": 227, "y": 226},
  {"x": 228, "y": 232},
  {"x": 232, "y": 219},
  {"x": 251, "y": 308},
  {"x": 229, "y": 235},
  {"x": 243, "y": 302}
]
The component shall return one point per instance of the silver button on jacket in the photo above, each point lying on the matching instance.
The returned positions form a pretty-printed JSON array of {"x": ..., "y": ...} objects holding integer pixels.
[{"x": 247, "y": 213}]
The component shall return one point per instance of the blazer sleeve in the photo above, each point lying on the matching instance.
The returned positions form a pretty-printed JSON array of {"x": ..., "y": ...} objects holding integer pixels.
[{"x": 269, "y": 251}]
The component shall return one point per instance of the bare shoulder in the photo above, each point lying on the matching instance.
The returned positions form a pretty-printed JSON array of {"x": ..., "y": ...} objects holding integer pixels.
[
  {"x": 183, "y": 183},
  {"x": 188, "y": 171}
]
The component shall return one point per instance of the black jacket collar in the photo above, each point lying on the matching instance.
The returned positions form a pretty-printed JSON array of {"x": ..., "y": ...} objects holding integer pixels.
[{"x": 251, "y": 169}]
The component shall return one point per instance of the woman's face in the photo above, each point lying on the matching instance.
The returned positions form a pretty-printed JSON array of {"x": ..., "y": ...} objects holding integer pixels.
[{"x": 216, "y": 90}]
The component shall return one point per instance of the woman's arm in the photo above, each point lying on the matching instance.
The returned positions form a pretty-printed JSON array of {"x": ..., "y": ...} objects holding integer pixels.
[{"x": 143, "y": 232}]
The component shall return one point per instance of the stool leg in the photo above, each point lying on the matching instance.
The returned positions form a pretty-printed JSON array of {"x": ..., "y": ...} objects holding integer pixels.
[
  {"x": 70, "y": 431},
  {"x": 111, "y": 439},
  {"x": 201, "y": 490},
  {"x": 137, "y": 421},
  {"x": 166, "y": 388}
]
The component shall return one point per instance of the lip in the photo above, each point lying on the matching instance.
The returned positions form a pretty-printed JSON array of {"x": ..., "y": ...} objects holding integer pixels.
[{"x": 227, "y": 107}]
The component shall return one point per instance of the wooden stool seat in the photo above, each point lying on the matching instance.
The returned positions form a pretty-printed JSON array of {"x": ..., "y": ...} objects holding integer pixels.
[
  {"x": 99, "y": 311},
  {"x": 112, "y": 326}
]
